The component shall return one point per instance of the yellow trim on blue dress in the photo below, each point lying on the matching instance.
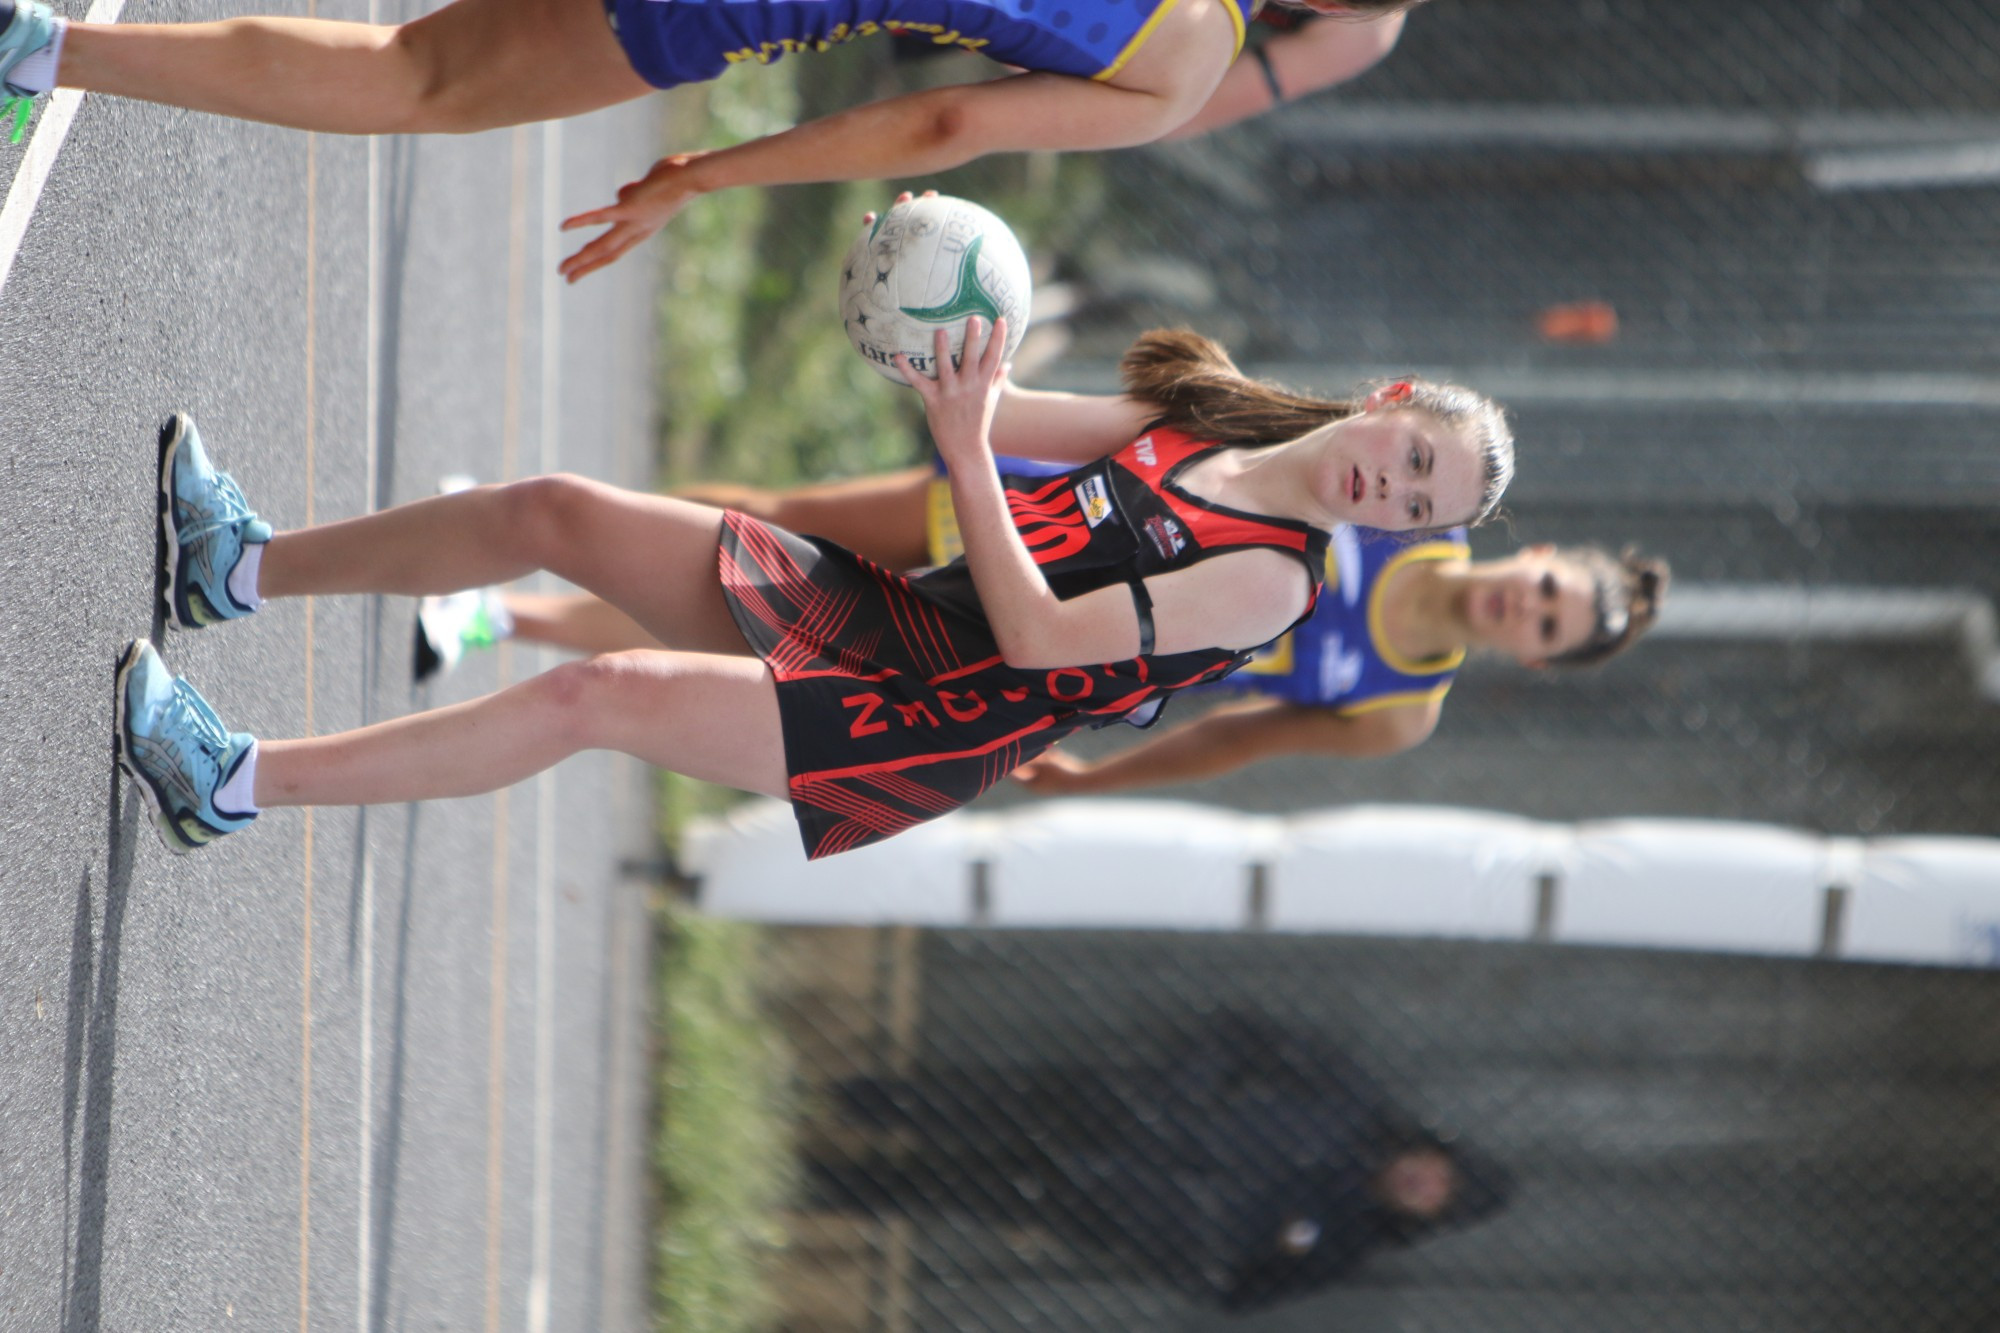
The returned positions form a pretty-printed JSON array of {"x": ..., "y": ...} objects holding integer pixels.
[
  {"x": 1274, "y": 659},
  {"x": 1139, "y": 39},
  {"x": 1381, "y": 701},
  {"x": 1425, "y": 551},
  {"x": 1146, "y": 30},
  {"x": 1236, "y": 22}
]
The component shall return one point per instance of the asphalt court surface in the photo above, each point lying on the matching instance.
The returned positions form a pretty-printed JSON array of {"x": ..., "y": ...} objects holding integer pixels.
[{"x": 354, "y": 1069}]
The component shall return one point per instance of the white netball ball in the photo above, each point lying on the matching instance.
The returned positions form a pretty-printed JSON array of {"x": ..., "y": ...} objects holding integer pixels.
[{"x": 926, "y": 265}]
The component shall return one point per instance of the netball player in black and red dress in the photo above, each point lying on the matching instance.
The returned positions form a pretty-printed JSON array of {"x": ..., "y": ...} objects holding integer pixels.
[{"x": 1189, "y": 530}]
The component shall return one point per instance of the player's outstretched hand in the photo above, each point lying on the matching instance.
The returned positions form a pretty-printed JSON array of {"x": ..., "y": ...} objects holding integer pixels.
[
  {"x": 643, "y": 207},
  {"x": 960, "y": 402}
]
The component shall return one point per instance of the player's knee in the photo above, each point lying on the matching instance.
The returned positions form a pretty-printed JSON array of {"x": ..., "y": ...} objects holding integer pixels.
[
  {"x": 550, "y": 517},
  {"x": 587, "y": 703},
  {"x": 569, "y": 697}
]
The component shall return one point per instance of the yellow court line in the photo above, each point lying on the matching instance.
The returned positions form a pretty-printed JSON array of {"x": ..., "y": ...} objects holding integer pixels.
[
  {"x": 496, "y": 1058},
  {"x": 305, "y": 1026},
  {"x": 510, "y": 450},
  {"x": 615, "y": 1132}
]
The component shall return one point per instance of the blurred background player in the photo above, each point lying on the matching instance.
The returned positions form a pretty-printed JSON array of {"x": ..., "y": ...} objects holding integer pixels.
[{"x": 1243, "y": 1166}]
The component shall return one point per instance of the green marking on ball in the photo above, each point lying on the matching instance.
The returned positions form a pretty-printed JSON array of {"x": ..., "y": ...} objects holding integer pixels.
[{"x": 969, "y": 299}]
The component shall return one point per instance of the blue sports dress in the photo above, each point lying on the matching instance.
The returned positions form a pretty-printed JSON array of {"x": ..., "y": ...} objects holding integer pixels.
[
  {"x": 672, "y": 42},
  {"x": 1340, "y": 658}
]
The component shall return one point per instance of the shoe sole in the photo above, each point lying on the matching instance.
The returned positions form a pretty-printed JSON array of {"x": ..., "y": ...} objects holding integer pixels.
[
  {"x": 163, "y": 823},
  {"x": 425, "y": 661},
  {"x": 171, "y": 436}
]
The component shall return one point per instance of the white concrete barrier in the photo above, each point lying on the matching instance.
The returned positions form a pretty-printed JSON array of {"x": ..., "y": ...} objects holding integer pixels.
[
  {"x": 1413, "y": 870},
  {"x": 1379, "y": 870},
  {"x": 1926, "y": 900}
]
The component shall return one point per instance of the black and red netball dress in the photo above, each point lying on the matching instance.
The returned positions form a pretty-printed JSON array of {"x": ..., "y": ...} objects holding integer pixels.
[{"x": 895, "y": 702}]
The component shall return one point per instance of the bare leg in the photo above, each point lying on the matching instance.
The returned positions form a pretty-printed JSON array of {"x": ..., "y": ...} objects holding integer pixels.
[
  {"x": 881, "y": 518},
  {"x": 473, "y": 65},
  {"x": 714, "y": 718},
  {"x": 576, "y": 621},
  {"x": 650, "y": 556}
]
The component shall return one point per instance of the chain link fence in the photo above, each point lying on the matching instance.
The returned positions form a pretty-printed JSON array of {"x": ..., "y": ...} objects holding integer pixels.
[
  {"x": 1061, "y": 1130},
  {"x": 1735, "y": 267}
]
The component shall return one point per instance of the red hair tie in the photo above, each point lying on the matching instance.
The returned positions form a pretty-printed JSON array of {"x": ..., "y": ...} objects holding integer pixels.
[{"x": 1399, "y": 392}]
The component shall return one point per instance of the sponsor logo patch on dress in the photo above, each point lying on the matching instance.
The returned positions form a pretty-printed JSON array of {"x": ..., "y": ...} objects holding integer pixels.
[
  {"x": 1142, "y": 448},
  {"x": 1095, "y": 499},
  {"x": 1340, "y": 667},
  {"x": 1166, "y": 536}
]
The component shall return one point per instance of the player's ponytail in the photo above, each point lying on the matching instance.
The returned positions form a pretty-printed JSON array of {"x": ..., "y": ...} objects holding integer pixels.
[
  {"x": 1195, "y": 387},
  {"x": 1630, "y": 589}
]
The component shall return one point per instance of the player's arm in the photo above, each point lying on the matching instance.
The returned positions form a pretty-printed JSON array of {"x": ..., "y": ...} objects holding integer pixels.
[
  {"x": 1233, "y": 737},
  {"x": 1065, "y": 427},
  {"x": 1238, "y": 599},
  {"x": 912, "y": 135},
  {"x": 1292, "y": 65}
]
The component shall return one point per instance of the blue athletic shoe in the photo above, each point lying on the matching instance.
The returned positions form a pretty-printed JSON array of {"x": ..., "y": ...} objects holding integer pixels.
[
  {"x": 176, "y": 749},
  {"x": 26, "y": 26},
  {"x": 207, "y": 523}
]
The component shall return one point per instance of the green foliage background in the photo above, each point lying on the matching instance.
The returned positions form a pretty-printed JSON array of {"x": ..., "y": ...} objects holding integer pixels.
[{"x": 757, "y": 381}]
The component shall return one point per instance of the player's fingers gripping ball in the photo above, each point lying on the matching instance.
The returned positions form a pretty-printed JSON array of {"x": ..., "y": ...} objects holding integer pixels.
[
  {"x": 925, "y": 265},
  {"x": 960, "y": 400}
]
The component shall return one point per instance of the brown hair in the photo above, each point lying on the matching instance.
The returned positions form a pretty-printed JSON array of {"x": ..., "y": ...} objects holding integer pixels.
[
  {"x": 1630, "y": 588},
  {"x": 1197, "y": 388}
]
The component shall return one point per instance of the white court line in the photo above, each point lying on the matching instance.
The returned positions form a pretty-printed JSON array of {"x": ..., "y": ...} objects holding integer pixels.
[
  {"x": 52, "y": 124},
  {"x": 545, "y": 784},
  {"x": 372, "y": 450}
]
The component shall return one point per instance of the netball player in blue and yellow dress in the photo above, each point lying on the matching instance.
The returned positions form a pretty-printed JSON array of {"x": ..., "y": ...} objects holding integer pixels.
[
  {"x": 1095, "y": 74},
  {"x": 1367, "y": 674}
]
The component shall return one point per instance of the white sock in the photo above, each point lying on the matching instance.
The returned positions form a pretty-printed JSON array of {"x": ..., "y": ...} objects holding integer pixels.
[
  {"x": 238, "y": 795},
  {"x": 243, "y": 578},
  {"x": 38, "y": 72}
]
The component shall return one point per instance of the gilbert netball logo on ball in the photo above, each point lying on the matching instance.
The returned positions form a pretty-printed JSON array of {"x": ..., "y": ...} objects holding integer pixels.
[{"x": 927, "y": 265}]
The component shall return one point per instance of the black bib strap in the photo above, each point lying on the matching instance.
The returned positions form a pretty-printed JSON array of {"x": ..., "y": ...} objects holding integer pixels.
[
  {"x": 1263, "y": 59},
  {"x": 1142, "y": 602}
]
